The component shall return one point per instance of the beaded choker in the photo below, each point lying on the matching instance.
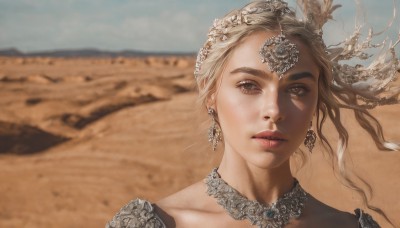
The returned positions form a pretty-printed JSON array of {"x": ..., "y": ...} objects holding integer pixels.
[{"x": 276, "y": 215}]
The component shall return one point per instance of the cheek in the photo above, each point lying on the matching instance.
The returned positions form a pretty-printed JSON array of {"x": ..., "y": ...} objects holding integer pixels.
[
  {"x": 301, "y": 114},
  {"x": 234, "y": 109},
  {"x": 306, "y": 105},
  {"x": 304, "y": 109},
  {"x": 300, "y": 117},
  {"x": 299, "y": 108}
]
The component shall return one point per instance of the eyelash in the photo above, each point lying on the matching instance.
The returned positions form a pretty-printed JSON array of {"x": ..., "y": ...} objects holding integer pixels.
[
  {"x": 243, "y": 84},
  {"x": 296, "y": 90}
]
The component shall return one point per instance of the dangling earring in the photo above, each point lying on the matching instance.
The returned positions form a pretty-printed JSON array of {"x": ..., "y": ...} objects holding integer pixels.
[
  {"x": 214, "y": 132},
  {"x": 310, "y": 139}
]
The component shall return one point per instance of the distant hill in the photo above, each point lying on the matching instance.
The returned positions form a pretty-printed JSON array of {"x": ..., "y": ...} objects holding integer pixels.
[{"x": 89, "y": 52}]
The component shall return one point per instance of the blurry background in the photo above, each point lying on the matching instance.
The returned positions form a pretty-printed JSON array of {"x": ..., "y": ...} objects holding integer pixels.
[
  {"x": 158, "y": 25},
  {"x": 111, "y": 115}
]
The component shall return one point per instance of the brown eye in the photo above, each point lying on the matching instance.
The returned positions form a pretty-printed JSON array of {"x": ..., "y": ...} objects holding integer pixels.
[
  {"x": 248, "y": 87},
  {"x": 298, "y": 90}
]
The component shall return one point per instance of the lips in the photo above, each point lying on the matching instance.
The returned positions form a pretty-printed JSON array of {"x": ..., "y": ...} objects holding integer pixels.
[
  {"x": 270, "y": 135},
  {"x": 270, "y": 139}
]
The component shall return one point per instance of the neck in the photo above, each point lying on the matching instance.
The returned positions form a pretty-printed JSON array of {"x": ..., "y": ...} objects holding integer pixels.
[{"x": 265, "y": 185}]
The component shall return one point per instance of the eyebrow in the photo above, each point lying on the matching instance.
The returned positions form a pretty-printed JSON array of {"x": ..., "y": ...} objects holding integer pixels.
[
  {"x": 249, "y": 70},
  {"x": 263, "y": 74},
  {"x": 298, "y": 76}
]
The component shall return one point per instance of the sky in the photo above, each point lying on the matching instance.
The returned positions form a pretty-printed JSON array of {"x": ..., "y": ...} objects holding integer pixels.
[{"x": 148, "y": 25}]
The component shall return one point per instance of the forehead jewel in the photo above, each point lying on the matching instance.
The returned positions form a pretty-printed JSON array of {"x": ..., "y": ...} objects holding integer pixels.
[{"x": 279, "y": 54}]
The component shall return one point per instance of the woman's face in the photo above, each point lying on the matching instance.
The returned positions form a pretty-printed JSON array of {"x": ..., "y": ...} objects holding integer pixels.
[{"x": 264, "y": 119}]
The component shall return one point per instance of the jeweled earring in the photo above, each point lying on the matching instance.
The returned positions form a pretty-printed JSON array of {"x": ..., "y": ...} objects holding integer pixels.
[
  {"x": 214, "y": 132},
  {"x": 310, "y": 139}
]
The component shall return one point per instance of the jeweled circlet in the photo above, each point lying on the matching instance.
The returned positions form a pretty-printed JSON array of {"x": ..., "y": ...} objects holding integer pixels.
[
  {"x": 220, "y": 28},
  {"x": 372, "y": 83},
  {"x": 276, "y": 215}
]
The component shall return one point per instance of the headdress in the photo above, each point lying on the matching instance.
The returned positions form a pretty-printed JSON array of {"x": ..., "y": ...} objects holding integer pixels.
[
  {"x": 218, "y": 32},
  {"x": 372, "y": 83}
]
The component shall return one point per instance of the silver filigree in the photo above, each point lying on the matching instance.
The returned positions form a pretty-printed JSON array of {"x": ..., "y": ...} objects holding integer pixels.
[
  {"x": 203, "y": 53},
  {"x": 136, "y": 214},
  {"x": 276, "y": 215},
  {"x": 310, "y": 139},
  {"x": 214, "y": 132},
  {"x": 221, "y": 27},
  {"x": 280, "y": 54},
  {"x": 373, "y": 84}
]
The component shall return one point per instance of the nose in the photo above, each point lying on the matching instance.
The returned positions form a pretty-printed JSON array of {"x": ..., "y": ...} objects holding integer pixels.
[{"x": 272, "y": 107}]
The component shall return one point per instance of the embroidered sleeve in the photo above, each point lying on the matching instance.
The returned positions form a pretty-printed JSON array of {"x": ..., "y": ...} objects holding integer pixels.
[
  {"x": 365, "y": 220},
  {"x": 136, "y": 214}
]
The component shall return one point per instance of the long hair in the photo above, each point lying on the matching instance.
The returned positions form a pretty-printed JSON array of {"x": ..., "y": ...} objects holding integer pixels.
[{"x": 333, "y": 94}]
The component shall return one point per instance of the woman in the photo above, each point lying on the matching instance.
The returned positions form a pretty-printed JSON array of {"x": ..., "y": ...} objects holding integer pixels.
[{"x": 264, "y": 77}]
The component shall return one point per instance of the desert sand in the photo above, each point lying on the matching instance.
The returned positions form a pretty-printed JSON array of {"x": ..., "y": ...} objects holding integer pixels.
[{"x": 79, "y": 138}]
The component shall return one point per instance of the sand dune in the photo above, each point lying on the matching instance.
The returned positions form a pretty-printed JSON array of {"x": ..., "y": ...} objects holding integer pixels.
[{"x": 81, "y": 137}]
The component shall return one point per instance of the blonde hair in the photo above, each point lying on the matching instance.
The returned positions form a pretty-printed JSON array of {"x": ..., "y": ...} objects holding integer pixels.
[{"x": 331, "y": 98}]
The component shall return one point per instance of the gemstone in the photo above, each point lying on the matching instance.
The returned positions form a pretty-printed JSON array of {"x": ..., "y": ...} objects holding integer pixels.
[
  {"x": 280, "y": 50},
  {"x": 269, "y": 213}
]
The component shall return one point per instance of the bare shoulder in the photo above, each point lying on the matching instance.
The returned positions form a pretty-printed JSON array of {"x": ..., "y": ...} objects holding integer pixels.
[
  {"x": 185, "y": 208},
  {"x": 185, "y": 198},
  {"x": 322, "y": 215},
  {"x": 188, "y": 207}
]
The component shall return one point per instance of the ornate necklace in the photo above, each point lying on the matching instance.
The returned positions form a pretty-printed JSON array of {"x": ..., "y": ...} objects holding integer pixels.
[{"x": 239, "y": 207}]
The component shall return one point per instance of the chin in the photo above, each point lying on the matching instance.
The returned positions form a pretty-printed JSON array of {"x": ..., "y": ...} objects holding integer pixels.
[{"x": 268, "y": 160}]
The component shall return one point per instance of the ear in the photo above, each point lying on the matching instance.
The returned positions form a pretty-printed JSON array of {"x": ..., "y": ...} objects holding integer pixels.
[{"x": 211, "y": 102}]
